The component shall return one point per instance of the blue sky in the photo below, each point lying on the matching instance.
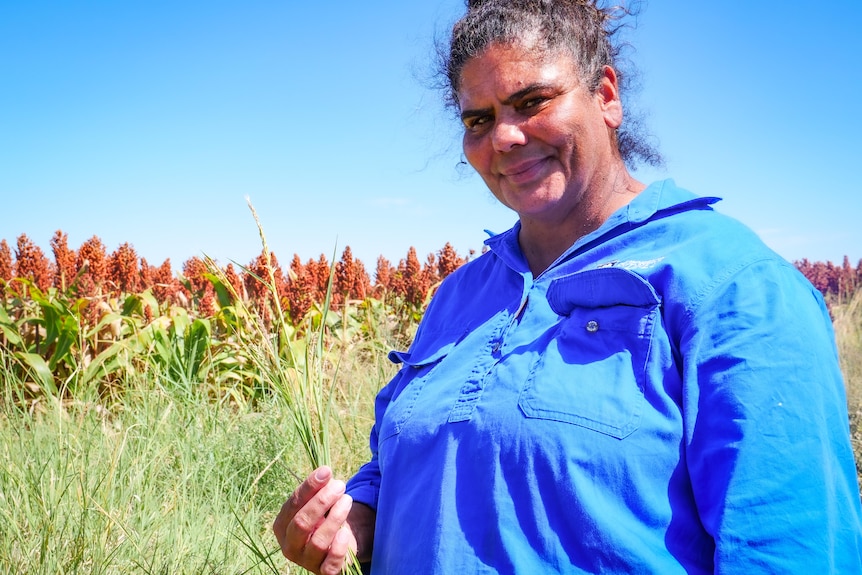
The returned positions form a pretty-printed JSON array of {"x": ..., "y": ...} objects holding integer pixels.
[{"x": 149, "y": 123}]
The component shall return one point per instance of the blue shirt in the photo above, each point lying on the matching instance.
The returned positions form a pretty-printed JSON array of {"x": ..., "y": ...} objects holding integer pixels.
[{"x": 665, "y": 398}]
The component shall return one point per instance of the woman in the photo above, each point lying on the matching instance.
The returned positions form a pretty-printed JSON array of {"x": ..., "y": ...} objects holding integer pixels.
[{"x": 627, "y": 382}]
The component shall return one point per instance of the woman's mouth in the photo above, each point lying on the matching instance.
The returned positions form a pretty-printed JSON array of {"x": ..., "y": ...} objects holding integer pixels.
[{"x": 524, "y": 171}]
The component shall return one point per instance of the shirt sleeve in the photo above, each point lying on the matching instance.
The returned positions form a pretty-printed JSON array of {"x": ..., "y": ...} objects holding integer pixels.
[{"x": 767, "y": 434}]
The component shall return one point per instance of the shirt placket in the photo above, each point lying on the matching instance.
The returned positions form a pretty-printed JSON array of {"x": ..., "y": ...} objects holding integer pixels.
[{"x": 488, "y": 354}]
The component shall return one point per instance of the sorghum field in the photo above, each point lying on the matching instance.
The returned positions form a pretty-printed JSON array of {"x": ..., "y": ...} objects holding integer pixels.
[{"x": 153, "y": 420}]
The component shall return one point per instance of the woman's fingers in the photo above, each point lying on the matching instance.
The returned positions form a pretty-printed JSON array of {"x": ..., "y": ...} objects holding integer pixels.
[
  {"x": 313, "y": 515},
  {"x": 338, "y": 536},
  {"x": 308, "y": 527},
  {"x": 307, "y": 490},
  {"x": 295, "y": 503}
]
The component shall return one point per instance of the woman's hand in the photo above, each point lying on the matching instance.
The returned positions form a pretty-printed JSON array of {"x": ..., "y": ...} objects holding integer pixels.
[{"x": 319, "y": 524}]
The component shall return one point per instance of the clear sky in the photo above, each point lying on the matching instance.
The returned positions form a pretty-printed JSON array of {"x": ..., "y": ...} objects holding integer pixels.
[{"x": 149, "y": 122}]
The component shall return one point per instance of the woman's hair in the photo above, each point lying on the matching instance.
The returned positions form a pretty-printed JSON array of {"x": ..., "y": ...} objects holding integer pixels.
[{"x": 580, "y": 29}]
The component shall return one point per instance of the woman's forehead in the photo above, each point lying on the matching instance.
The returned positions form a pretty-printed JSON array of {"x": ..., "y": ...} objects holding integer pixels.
[
  {"x": 503, "y": 70},
  {"x": 527, "y": 56}
]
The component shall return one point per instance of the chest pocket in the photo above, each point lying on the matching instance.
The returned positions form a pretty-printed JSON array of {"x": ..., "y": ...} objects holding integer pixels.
[
  {"x": 418, "y": 364},
  {"x": 593, "y": 371}
]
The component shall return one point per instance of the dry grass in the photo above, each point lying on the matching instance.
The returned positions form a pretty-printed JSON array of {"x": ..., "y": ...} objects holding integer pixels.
[{"x": 847, "y": 319}]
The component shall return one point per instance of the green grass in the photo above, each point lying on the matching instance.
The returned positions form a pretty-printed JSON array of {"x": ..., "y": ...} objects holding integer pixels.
[
  {"x": 847, "y": 320},
  {"x": 154, "y": 481}
]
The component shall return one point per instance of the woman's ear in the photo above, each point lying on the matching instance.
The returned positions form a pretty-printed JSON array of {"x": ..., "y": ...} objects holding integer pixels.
[{"x": 608, "y": 94}]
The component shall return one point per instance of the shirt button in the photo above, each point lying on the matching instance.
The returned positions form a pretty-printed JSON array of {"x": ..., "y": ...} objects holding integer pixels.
[
  {"x": 592, "y": 326},
  {"x": 496, "y": 347}
]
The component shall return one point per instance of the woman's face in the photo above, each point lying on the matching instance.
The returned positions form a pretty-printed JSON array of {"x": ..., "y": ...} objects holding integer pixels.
[{"x": 539, "y": 138}]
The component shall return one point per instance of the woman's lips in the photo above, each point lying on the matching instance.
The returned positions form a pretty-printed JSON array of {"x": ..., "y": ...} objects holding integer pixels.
[{"x": 524, "y": 171}]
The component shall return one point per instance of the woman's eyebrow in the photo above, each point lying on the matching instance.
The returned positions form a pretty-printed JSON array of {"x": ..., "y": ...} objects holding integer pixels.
[
  {"x": 507, "y": 102},
  {"x": 474, "y": 113},
  {"x": 524, "y": 92}
]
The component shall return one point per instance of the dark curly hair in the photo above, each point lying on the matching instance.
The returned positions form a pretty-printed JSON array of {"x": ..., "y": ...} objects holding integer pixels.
[{"x": 581, "y": 29}]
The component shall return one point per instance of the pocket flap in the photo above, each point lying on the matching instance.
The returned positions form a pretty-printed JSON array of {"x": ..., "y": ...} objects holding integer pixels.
[
  {"x": 427, "y": 349},
  {"x": 603, "y": 287}
]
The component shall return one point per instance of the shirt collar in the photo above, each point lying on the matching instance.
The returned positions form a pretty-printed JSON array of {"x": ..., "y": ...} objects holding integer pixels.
[{"x": 659, "y": 196}]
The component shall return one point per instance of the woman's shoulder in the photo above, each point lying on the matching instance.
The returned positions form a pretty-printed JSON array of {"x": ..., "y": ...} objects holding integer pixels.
[{"x": 707, "y": 254}]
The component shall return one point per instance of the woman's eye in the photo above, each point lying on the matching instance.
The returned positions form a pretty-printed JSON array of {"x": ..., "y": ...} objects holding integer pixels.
[
  {"x": 531, "y": 103},
  {"x": 476, "y": 122}
]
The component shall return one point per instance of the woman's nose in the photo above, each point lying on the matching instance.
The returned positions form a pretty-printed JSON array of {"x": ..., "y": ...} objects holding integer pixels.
[{"x": 506, "y": 135}]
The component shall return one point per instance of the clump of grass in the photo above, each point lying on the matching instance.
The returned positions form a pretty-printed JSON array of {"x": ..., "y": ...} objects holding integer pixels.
[
  {"x": 847, "y": 321},
  {"x": 294, "y": 368},
  {"x": 303, "y": 372},
  {"x": 152, "y": 484}
]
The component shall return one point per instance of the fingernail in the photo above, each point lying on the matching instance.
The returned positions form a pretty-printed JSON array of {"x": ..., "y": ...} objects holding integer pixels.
[{"x": 322, "y": 473}]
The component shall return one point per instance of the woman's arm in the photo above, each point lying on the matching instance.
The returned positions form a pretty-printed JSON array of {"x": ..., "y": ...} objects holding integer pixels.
[{"x": 767, "y": 438}]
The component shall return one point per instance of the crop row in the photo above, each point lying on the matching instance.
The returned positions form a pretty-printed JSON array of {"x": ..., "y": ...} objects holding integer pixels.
[
  {"x": 833, "y": 280},
  {"x": 88, "y": 318},
  {"x": 93, "y": 273}
]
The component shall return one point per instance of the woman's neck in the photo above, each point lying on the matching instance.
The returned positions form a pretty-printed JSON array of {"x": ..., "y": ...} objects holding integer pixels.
[{"x": 543, "y": 241}]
